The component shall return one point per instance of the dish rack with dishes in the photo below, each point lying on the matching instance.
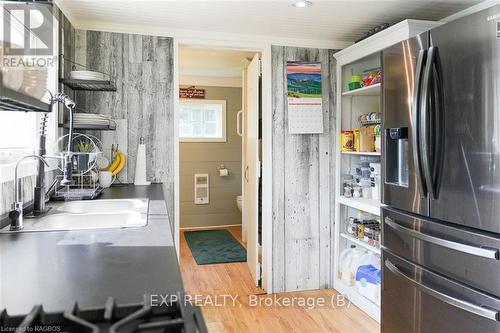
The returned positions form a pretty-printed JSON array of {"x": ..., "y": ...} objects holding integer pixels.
[{"x": 85, "y": 185}]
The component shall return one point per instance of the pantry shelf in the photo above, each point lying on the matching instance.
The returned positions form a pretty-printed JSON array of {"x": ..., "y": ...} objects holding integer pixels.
[
  {"x": 366, "y": 205},
  {"x": 373, "y": 90},
  {"x": 361, "y": 153},
  {"x": 370, "y": 308},
  {"x": 361, "y": 243}
]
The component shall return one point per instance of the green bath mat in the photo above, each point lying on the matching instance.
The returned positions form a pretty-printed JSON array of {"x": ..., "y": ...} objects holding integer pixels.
[{"x": 214, "y": 247}]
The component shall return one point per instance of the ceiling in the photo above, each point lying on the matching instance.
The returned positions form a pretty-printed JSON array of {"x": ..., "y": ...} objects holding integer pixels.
[
  {"x": 326, "y": 20},
  {"x": 211, "y": 62}
]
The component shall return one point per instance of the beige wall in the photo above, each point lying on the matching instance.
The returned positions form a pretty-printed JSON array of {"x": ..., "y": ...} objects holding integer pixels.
[{"x": 205, "y": 157}]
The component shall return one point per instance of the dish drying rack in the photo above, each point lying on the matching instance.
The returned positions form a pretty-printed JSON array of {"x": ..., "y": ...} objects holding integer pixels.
[
  {"x": 85, "y": 187},
  {"x": 85, "y": 174}
]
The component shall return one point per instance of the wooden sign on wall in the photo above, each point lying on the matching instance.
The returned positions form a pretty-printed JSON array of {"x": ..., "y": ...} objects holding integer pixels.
[{"x": 191, "y": 92}]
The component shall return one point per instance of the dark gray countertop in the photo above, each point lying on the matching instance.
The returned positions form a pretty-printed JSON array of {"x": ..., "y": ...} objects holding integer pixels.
[{"x": 58, "y": 268}]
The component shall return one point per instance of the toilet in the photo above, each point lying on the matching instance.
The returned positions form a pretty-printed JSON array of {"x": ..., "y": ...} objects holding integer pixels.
[{"x": 239, "y": 201}]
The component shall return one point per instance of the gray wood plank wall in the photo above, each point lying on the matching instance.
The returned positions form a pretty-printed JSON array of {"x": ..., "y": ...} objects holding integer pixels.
[
  {"x": 302, "y": 182},
  {"x": 142, "y": 68}
]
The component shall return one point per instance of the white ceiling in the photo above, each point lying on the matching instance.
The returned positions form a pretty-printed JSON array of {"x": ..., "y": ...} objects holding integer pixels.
[
  {"x": 326, "y": 20},
  {"x": 211, "y": 62}
]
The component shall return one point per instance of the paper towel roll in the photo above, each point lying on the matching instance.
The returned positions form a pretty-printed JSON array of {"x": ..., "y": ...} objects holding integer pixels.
[
  {"x": 223, "y": 172},
  {"x": 140, "y": 165}
]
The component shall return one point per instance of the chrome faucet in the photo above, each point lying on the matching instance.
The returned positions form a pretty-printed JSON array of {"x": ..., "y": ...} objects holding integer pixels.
[
  {"x": 16, "y": 215},
  {"x": 39, "y": 198},
  {"x": 66, "y": 157}
]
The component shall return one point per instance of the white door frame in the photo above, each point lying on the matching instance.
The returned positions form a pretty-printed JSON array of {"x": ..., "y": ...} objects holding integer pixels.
[{"x": 267, "y": 118}]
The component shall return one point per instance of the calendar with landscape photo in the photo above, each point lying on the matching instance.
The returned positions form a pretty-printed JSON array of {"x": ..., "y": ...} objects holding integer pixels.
[{"x": 303, "y": 79}]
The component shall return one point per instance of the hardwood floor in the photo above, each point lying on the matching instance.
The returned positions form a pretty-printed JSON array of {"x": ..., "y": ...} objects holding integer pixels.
[{"x": 250, "y": 313}]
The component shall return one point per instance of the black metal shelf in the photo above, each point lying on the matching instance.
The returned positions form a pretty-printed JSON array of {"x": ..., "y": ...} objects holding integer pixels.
[
  {"x": 110, "y": 127},
  {"x": 89, "y": 85}
]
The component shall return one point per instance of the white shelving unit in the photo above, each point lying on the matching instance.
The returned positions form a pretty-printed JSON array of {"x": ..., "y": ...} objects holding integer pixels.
[
  {"x": 360, "y": 153},
  {"x": 373, "y": 90},
  {"x": 351, "y": 104},
  {"x": 366, "y": 205},
  {"x": 361, "y": 243}
]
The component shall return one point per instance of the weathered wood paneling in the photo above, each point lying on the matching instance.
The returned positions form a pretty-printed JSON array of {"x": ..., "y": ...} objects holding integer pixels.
[
  {"x": 142, "y": 68},
  {"x": 302, "y": 170}
]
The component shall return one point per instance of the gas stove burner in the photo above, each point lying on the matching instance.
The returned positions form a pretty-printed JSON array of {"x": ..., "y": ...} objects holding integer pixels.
[{"x": 167, "y": 317}]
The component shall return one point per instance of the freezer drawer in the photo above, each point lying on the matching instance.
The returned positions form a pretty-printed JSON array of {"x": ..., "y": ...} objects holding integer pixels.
[
  {"x": 417, "y": 300},
  {"x": 467, "y": 256}
]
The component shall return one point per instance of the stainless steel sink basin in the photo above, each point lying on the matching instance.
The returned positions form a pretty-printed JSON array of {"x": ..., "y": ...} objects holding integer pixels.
[
  {"x": 104, "y": 206},
  {"x": 91, "y": 214}
]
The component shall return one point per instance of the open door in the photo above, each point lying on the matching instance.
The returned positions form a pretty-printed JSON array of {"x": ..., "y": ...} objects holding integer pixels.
[{"x": 252, "y": 167}]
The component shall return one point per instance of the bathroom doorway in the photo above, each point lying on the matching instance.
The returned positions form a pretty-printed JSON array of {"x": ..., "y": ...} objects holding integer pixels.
[{"x": 220, "y": 145}]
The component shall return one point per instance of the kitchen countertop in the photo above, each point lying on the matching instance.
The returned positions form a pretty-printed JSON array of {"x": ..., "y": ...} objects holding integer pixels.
[{"x": 57, "y": 268}]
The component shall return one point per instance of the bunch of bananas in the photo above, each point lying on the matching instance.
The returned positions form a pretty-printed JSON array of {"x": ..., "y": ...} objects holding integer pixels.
[{"x": 118, "y": 163}]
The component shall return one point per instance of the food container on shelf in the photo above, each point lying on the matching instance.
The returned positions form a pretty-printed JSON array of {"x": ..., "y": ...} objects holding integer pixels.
[
  {"x": 346, "y": 141},
  {"x": 375, "y": 168},
  {"x": 364, "y": 139},
  {"x": 368, "y": 279},
  {"x": 366, "y": 192},
  {"x": 355, "y": 82},
  {"x": 356, "y": 78},
  {"x": 354, "y": 85},
  {"x": 378, "y": 138},
  {"x": 352, "y": 226},
  {"x": 375, "y": 184},
  {"x": 371, "y": 234},
  {"x": 371, "y": 76},
  {"x": 348, "y": 184},
  {"x": 348, "y": 264},
  {"x": 356, "y": 191}
]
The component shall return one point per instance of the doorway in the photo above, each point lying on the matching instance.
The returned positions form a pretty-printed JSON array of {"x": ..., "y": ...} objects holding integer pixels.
[{"x": 219, "y": 146}]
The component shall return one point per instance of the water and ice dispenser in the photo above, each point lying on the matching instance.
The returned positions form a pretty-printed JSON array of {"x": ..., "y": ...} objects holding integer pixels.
[{"x": 396, "y": 156}]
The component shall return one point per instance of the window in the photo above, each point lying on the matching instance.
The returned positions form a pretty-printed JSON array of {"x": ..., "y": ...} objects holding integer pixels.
[
  {"x": 17, "y": 135},
  {"x": 202, "y": 120}
]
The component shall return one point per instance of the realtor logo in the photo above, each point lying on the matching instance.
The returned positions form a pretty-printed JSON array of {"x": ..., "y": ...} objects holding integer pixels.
[{"x": 27, "y": 29}]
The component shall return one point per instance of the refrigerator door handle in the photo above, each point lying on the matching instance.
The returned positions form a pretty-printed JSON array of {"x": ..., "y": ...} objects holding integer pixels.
[
  {"x": 432, "y": 91},
  {"x": 489, "y": 253},
  {"x": 439, "y": 125},
  {"x": 479, "y": 310},
  {"x": 422, "y": 55},
  {"x": 424, "y": 132}
]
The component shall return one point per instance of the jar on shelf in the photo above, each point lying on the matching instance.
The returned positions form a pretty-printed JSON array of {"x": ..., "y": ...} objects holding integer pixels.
[
  {"x": 352, "y": 226},
  {"x": 348, "y": 184},
  {"x": 356, "y": 191},
  {"x": 371, "y": 234}
]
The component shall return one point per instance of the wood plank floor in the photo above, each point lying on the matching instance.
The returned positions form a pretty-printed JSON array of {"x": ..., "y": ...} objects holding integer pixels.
[{"x": 243, "y": 316}]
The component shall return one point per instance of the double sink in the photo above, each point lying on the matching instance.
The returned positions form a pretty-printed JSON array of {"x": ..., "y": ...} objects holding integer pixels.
[{"x": 89, "y": 214}]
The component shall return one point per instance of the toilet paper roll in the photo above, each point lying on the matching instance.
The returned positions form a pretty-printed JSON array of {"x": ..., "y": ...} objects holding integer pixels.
[{"x": 223, "y": 172}]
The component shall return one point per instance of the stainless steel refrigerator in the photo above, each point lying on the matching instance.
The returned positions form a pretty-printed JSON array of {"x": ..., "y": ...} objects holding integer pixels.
[{"x": 441, "y": 188}]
